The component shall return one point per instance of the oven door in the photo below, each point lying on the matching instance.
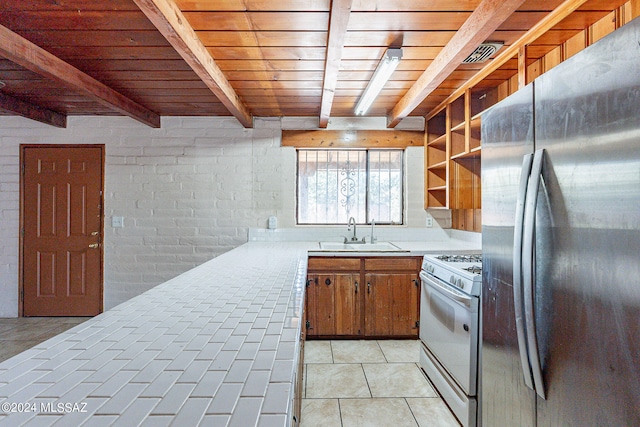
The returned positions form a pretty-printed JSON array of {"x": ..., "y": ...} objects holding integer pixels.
[{"x": 449, "y": 329}]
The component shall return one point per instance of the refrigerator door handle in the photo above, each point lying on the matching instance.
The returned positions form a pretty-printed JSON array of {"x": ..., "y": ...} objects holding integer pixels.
[
  {"x": 517, "y": 270},
  {"x": 528, "y": 270}
]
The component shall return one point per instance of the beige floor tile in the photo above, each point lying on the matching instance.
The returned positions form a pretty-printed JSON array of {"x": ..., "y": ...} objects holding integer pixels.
[
  {"x": 21, "y": 333},
  {"x": 376, "y": 412},
  {"x": 317, "y": 352},
  {"x": 320, "y": 413},
  {"x": 397, "y": 380},
  {"x": 432, "y": 412},
  {"x": 9, "y": 348},
  {"x": 330, "y": 381},
  {"x": 357, "y": 352},
  {"x": 304, "y": 381},
  {"x": 398, "y": 351}
]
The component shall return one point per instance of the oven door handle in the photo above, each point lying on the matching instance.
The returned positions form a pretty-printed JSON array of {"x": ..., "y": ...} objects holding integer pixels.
[{"x": 434, "y": 283}]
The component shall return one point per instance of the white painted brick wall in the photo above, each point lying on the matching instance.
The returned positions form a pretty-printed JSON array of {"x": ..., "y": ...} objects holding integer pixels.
[{"x": 188, "y": 192}]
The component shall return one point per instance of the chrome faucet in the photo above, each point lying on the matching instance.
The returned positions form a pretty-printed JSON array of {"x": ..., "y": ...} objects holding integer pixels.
[
  {"x": 354, "y": 238},
  {"x": 373, "y": 238}
]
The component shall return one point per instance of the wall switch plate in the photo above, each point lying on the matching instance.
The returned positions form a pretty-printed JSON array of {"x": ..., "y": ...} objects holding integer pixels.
[
  {"x": 272, "y": 223},
  {"x": 117, "y": 221},
  {"x": 429, "y": 222}
]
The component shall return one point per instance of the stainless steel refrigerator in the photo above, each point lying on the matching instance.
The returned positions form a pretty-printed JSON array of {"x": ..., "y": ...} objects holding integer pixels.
[{"x": 561, "y": 244}]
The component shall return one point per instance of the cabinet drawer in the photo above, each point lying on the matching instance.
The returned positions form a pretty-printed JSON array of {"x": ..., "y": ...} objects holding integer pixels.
[
  {"x": 392, "y": 264},
  {"x": 333, "y": 264}
]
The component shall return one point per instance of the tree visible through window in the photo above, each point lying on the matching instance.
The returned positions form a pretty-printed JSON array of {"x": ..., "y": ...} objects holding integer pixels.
[{"x": 334, "y": 185}]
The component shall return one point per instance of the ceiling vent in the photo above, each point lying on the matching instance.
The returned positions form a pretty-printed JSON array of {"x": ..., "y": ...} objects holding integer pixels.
[{"x": 483, "y": 52}]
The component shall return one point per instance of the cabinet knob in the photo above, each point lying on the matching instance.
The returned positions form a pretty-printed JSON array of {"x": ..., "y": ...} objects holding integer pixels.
[
  {"x": 356, "y": 287},
  {"x": 368, "y": 287},
  {"x": 327, "y": 282}
]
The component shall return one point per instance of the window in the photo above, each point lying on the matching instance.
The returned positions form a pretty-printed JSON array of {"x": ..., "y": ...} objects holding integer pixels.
[{"x": 334, "y": 185}]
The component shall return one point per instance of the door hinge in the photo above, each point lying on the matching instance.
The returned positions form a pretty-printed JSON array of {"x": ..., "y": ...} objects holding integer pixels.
[
  {"x": 308, "y": 325},
  {"x": 22, "y": 295},
  {"x": 22, "y": 232},
  {"x": 22, "y": 169},
  {"x": 309, "y": 282},
  {"x": 417, "y": 323}
]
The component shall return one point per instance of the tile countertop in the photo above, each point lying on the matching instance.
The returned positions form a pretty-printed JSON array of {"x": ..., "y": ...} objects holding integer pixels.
[{"x": 217, "y": 345}]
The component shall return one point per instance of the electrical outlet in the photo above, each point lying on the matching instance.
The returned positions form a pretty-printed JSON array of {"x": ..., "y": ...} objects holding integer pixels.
[
  {"x": 272, "y": 223},
  {"x": 429, "y": 222},
  {"x": 117, "y": 221}
]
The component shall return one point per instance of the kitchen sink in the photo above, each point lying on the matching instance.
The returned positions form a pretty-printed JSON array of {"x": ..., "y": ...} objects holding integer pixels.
[{"x": 359, "y": 247}]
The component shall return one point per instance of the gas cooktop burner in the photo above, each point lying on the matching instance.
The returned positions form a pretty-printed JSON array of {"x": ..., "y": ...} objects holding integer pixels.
[
  {"x": 460, "y": 258},
  {"x": 474, "y": 269}
]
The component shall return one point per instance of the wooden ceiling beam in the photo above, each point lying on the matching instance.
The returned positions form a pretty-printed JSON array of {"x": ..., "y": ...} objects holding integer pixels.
[
  {"x": 506, "y": 55},
  {"x": 352, "y": 138},
  {"x": 32, "y": 111},
  {"x": 21, "y": 51},
  {"x": 338, "y": 21},
  {"x": 487, "y": 17},
  {"x": 170, "y": 21}
]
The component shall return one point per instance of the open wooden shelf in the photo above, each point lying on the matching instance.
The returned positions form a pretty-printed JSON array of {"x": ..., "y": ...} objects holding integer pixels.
[
  {"x": 441, "y": 165},
  {"x": 452, "y": 161},
  {"x": 440, "y": 141},
  {"x": 470, "y": 155},
  {"x": 458, "y": 128}
]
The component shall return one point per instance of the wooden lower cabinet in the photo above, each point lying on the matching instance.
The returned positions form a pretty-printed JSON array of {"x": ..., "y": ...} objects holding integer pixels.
[
  {"x": 363, "y": 297},
  {"x": 332, "y": 304},
  {"x": 391, "y": 304}
]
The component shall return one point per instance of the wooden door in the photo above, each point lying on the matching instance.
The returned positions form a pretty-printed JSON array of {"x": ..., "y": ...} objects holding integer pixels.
[
  {"x": 347, "y": 304},
  {"x": 377, "y": 310},
  {"x": 62, "y": 230},
  {"x": 406, "y": 305},
  {"x": 391, "y": 304},
  {"x": 333, "y": 307},
  {"x": 320, "y": 305}
]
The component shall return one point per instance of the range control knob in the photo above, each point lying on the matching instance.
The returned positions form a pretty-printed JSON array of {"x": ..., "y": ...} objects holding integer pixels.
[{"x": 457, "y": 282}]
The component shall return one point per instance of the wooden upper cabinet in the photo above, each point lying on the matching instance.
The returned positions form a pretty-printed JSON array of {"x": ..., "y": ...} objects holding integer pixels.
[{"x": 452, "y": 162}]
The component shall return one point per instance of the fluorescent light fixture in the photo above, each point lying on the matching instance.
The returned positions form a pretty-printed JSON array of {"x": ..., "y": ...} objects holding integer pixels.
[{"x": 386, "y": 67}]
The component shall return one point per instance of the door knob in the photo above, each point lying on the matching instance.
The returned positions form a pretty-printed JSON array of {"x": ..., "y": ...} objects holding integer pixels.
[
  {"x": 94, "y": 245},
  {"x": 94, "y": 233}
]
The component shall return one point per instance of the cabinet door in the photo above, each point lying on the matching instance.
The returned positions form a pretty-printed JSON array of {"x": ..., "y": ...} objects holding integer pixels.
[
  {"x": 406, "y": 305},
  {"x": 391, "y": 304},
  {"x": 333, "y": 305}
]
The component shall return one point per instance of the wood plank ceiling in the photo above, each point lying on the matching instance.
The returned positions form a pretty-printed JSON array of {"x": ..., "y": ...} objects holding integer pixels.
[{"x": 267, "y": 57}]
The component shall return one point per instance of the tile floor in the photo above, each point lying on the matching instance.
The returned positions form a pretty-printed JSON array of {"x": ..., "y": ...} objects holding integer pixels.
[
  {"x": 369, "y": 383},
  {"x": 22, "y": 333}
]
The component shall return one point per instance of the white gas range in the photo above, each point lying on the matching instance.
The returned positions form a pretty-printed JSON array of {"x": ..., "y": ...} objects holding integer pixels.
[{"x": 449, "y": 329}]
